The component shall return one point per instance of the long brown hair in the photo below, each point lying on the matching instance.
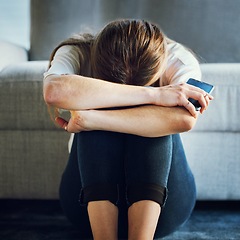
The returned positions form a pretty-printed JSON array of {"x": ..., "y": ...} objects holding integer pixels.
[
  {"x": 130, "y": 52},
  {"x": 125, "y": 51}
]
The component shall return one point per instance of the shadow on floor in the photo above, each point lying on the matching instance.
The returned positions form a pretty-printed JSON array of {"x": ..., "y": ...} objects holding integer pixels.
[{"x": 44, "y": 220}]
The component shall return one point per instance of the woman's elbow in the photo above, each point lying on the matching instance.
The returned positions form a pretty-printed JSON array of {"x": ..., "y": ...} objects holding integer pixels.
[
  {"x": 188, "y": 122},
  {"x": 49, "y": 94}
]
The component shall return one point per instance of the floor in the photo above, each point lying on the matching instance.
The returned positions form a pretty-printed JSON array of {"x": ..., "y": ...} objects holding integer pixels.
[{"x": 43, "y": 220}]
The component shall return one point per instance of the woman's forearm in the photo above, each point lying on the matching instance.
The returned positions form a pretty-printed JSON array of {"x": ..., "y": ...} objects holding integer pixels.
[
  {"x": 74, "y": 92},
  {"x": 147, "y": 121}
]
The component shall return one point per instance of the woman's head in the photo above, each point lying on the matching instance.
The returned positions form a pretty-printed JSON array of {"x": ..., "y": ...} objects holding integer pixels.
[{"x": 130, "y": 52}]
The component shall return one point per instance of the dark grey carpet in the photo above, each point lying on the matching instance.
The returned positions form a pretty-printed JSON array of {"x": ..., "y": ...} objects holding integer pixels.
[
  {"x": 43, "y": 220},
  {"x": 210, "y": 224}
]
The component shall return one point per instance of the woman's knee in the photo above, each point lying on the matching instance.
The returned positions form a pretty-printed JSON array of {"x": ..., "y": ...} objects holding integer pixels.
[
  {"x": 100, "y": 159},
  {"x": 148, "y": 160},
  {"x": 146, "y": 191}
]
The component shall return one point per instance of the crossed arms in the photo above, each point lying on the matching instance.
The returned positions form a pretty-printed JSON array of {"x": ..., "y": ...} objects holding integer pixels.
[{"x": 149, "y": 112}]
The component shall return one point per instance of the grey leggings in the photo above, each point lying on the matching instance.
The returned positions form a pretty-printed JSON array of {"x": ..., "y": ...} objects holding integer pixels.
[{"x": 124, "y": 169}]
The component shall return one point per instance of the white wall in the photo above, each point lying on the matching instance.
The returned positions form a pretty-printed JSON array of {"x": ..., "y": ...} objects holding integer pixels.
[{"x": 15, "y": 21}]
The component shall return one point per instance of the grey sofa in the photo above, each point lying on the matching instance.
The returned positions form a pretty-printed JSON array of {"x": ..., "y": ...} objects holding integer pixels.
[{"x": 33, "y": 152}]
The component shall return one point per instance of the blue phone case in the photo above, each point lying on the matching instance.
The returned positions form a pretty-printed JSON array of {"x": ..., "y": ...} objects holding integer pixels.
[{"x": 203, "y": 85}]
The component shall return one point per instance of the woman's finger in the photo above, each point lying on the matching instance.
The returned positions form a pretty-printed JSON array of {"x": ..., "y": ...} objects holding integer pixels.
[
  {"x": 207, "y": 99},
  {"x": 202, "y": 98},
  {"x": 206, "y": 95},
  {"x": 62, "y": 123},
  {"x": 191, "y": 108}
]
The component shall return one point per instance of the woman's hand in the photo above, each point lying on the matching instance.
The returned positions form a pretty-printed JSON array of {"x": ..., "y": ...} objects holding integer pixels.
[
  {"x": 178, "y": 95},
  {"x": 75, "y": 123}
]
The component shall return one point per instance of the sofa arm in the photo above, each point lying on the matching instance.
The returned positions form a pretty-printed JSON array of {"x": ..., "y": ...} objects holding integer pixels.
[
  {"x": 11, "y": 53},
  {"x": 33, "y": 151}
]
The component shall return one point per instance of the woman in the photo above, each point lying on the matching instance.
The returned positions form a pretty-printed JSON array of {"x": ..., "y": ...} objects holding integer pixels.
[{"x": 126, "y": 91}]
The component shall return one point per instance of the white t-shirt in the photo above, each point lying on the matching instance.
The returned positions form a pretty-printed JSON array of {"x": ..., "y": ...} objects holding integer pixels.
[{"x": 181, "y": 64}]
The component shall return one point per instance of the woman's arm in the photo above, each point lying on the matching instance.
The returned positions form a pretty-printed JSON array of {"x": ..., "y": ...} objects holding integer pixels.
[
  {"x": 75, "y": 92},
  {"x": 147, "y": 121}
]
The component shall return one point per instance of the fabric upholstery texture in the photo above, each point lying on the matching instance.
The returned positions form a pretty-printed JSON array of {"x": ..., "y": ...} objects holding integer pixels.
[
  {"x": 214, "y": 159},
  {"x": 225, "y": 107},
  {"x": 33, "y": 150},
  {"x": 26, "y": 108},
  {"x": 209, "y": 28},
  {"x": 31, "y": 163},
  {"x": 55, "y": 20}
]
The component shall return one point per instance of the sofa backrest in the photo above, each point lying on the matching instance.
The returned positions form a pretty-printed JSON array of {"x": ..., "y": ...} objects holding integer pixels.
[{"x": 209, "y": 28}]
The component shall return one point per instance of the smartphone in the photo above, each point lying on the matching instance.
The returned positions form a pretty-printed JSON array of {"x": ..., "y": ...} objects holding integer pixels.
[{"x": 204, "y": 86}]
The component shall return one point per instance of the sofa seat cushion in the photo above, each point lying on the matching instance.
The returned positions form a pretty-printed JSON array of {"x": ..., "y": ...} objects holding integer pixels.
[
  {"x": 215, "y": 162},
  {"x": 32, "y": 163}
]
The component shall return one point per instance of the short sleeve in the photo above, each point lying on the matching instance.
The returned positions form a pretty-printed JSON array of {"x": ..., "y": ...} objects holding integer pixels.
[
  {"x": 181, "y": 65},
  {"x": 65, "y": 61}
]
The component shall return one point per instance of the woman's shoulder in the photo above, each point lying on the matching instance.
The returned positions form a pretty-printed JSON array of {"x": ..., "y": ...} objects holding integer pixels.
[
  {"x": 78, "y": 44},
  {"x": 179, "y": 52},
  {"x": 181, "y": 65},
  {"x": 71, "y": 56},
  {"x": 64, "y": 61},
  {"x": 67, "y": 50}
]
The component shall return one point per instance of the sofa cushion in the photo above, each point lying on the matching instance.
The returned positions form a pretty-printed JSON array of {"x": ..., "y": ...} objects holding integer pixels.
[
  {"x": 55, "y": 20},
  {"x": 214, "y": 160},
  {"x": 212, "y": 31},
  {"x": 11, "y": 53},
  {"x": 32, "y": 163},
  {"x": 22, "y": 106},
  {"x": 224, "y": 111}
]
